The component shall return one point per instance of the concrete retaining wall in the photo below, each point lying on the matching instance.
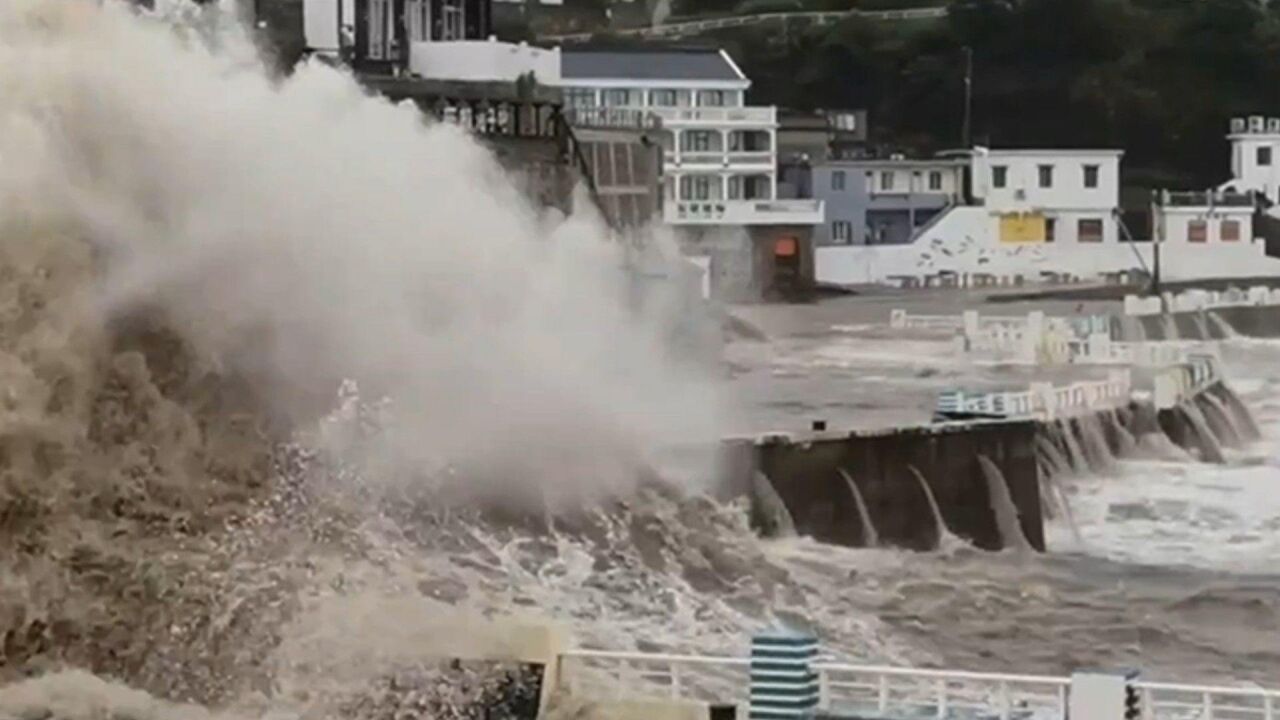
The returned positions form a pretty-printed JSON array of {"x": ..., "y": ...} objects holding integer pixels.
[{"x": 805, "y": 473}]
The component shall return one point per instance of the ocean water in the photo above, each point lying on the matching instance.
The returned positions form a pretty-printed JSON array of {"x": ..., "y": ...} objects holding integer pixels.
[{"x": 198, "y": 519}]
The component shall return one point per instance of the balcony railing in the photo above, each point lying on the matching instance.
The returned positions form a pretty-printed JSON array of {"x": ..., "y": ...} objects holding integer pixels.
[
  {"x": 744, "y": 212},
  {"x": 610, "y": 117},
  {"x": 767, "y": 116},
  {"x": 721, "y": 158},
  {"x": 1209, "y": 199}
]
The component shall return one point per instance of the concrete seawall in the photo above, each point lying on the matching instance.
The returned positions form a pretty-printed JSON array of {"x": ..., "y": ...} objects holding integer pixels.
[
  {"x": 1262, "y": 321},
  {"x": 805, "y": 472}
]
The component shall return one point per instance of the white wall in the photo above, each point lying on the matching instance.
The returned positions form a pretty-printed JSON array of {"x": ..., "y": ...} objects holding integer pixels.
[
  {"x": 1022, "y": 191},
  {"x": 1249, "y": 175},
  {"x": 483, "y": 60},
  {"x": 1177, "y": 222},
  {"x": 320, "y": 22}
]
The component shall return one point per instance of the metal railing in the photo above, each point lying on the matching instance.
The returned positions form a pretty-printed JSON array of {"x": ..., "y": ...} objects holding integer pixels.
[{"x": 919, "y": 693}]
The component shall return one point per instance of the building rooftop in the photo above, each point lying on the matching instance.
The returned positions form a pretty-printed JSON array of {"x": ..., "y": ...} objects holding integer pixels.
[{"x": 682, "y": 64}]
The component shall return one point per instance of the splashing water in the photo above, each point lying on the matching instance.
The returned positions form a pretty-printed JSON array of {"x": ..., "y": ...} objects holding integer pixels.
[
  {"x": 1223, "y": 421},
  {"x": 1058, "y": 462},
  {"x": 1079, "y": 461},
  {"x": 1241, "y": 412},
  {"x": 1097, "y": 450},
  {"x": 774, "y": 512},
  {"x": 870, "y": 538},
  {"x": 1170, "y": 327},
  {"x": 1224, "y": 328},
  {"x": 947, "y": 540},
  {"x": 1202, "y": 325},
  {"x": 1002, "y": 506},
  {"x": 1210, "y": 444},
  {"x": 1125, "y": 438}
]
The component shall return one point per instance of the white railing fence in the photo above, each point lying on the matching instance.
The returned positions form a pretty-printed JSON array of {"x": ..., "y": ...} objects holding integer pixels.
[
  {"x": 1162, "y": 700},
  {"x": 1043, "y": 400},
  {"x": 1195, "y": 300},
  {"x": 906, "y": 692}
]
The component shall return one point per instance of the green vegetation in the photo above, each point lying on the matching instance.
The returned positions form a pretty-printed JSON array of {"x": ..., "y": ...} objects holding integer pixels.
[{"x": 1159, "y": 78}]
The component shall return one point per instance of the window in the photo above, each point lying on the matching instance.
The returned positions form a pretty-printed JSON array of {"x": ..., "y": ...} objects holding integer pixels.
[
  {"x": 580, "y": 97},
  {"x": 886, "y": 180},
  {"x": 1264, "y": 156},
  {"x": 1050, "y": 229},
  {"x": 662, "y": 98},
  {"x": 1197, "y": 231},
  {"x": 620, "y": 97},
  {"x": 696, "y": 187},
  {"x": 454, "y": 20},
  {"x": 419, "y": 15},
  {"x": 935, "y": 180},
  {"x": 1091, "y": 176},
  {"x": 842, "y": 231},
  {"x": 698, "y": 141},
  {"x": 999, "y": 175},
  {"x": 1046, "y": 175},
  {"x": 1230, "y": 231},
  {"x": 711, "y": 98},
  {"x": 837, "y": 180},
  {"x": 1090, "y": 230}
]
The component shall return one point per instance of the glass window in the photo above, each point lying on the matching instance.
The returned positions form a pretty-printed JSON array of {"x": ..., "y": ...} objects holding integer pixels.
[
  {"x": 837, "y": 180},
  {"x": 1230, "y": 230},
  {"x": 580, "y": 97},
  {"x": 1050, "y": 229},
  {"x": 662, "y": 98},
  {"x": 711, "y": 98},
  {"x": 841, "y": 231},
  {"x": 1264, "y": 156},
  {"x": 1090, "y": 230},
  {"x": 1046, "y": 175},
  {"x": 698, "y": 141},
  {"x": 935, "y": 180},
  {"x": 617, "y": 97},
  {"x": 1091, "y": 176},
  {"x": 886, "y": 180},
  {"x": 1197, "y": 231},
  {"x": 999, "y": 176}
]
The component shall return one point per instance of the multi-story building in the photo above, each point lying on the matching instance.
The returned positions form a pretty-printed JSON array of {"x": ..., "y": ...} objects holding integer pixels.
[
  {"x": 1063, "y": 196},
  {"x": 884, "y": 201},
  {"x": 721, "y": 173}
]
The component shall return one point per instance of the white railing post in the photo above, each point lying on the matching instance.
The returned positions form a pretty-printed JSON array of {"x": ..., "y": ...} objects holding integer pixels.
[
  {"x": 1004, "y": 700},
  {"x": 824, "y": 689},
  {"x": 941, "y": 687},
  {"x": 883, "y": 699},
  {"x": 676, "y": 688}
]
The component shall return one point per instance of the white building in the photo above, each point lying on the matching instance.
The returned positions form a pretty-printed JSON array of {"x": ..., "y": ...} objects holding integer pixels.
[
  {"x": 1255, "y": 156},
  {"x": 1049, "y": 196},
  {"x": 721, "y": 154}
]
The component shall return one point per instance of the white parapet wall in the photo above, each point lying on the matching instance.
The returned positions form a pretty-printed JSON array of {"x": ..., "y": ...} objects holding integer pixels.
[
  {"x": 963, "y": 248},
  {"x": 1196, "y": 300},
  {"x": 484, "y": 61}
]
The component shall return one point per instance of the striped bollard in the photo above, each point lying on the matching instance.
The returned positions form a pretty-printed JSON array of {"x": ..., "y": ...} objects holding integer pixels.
[{"x": 784, "y": 685}]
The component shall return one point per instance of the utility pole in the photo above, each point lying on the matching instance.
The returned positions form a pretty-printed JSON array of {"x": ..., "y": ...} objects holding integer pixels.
[
  {"x": 1157, "y": 230},
  {"x": 966, "y": 134}
]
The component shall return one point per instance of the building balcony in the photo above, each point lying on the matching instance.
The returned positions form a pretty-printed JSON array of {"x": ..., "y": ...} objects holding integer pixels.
[
  {"x": 717, "y": 116},
  {"x": 1209, "y": 199},
  {"x": 755, "y": 159},
  {"x": 743, "y": 212}
]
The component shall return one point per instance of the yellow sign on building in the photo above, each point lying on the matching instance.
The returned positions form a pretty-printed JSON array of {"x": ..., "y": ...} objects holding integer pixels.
[{"x": 1022, "y": 228}]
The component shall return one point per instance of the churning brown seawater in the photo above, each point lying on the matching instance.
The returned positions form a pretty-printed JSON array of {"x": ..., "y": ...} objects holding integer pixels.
[{"x": 197, "y": 516}]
